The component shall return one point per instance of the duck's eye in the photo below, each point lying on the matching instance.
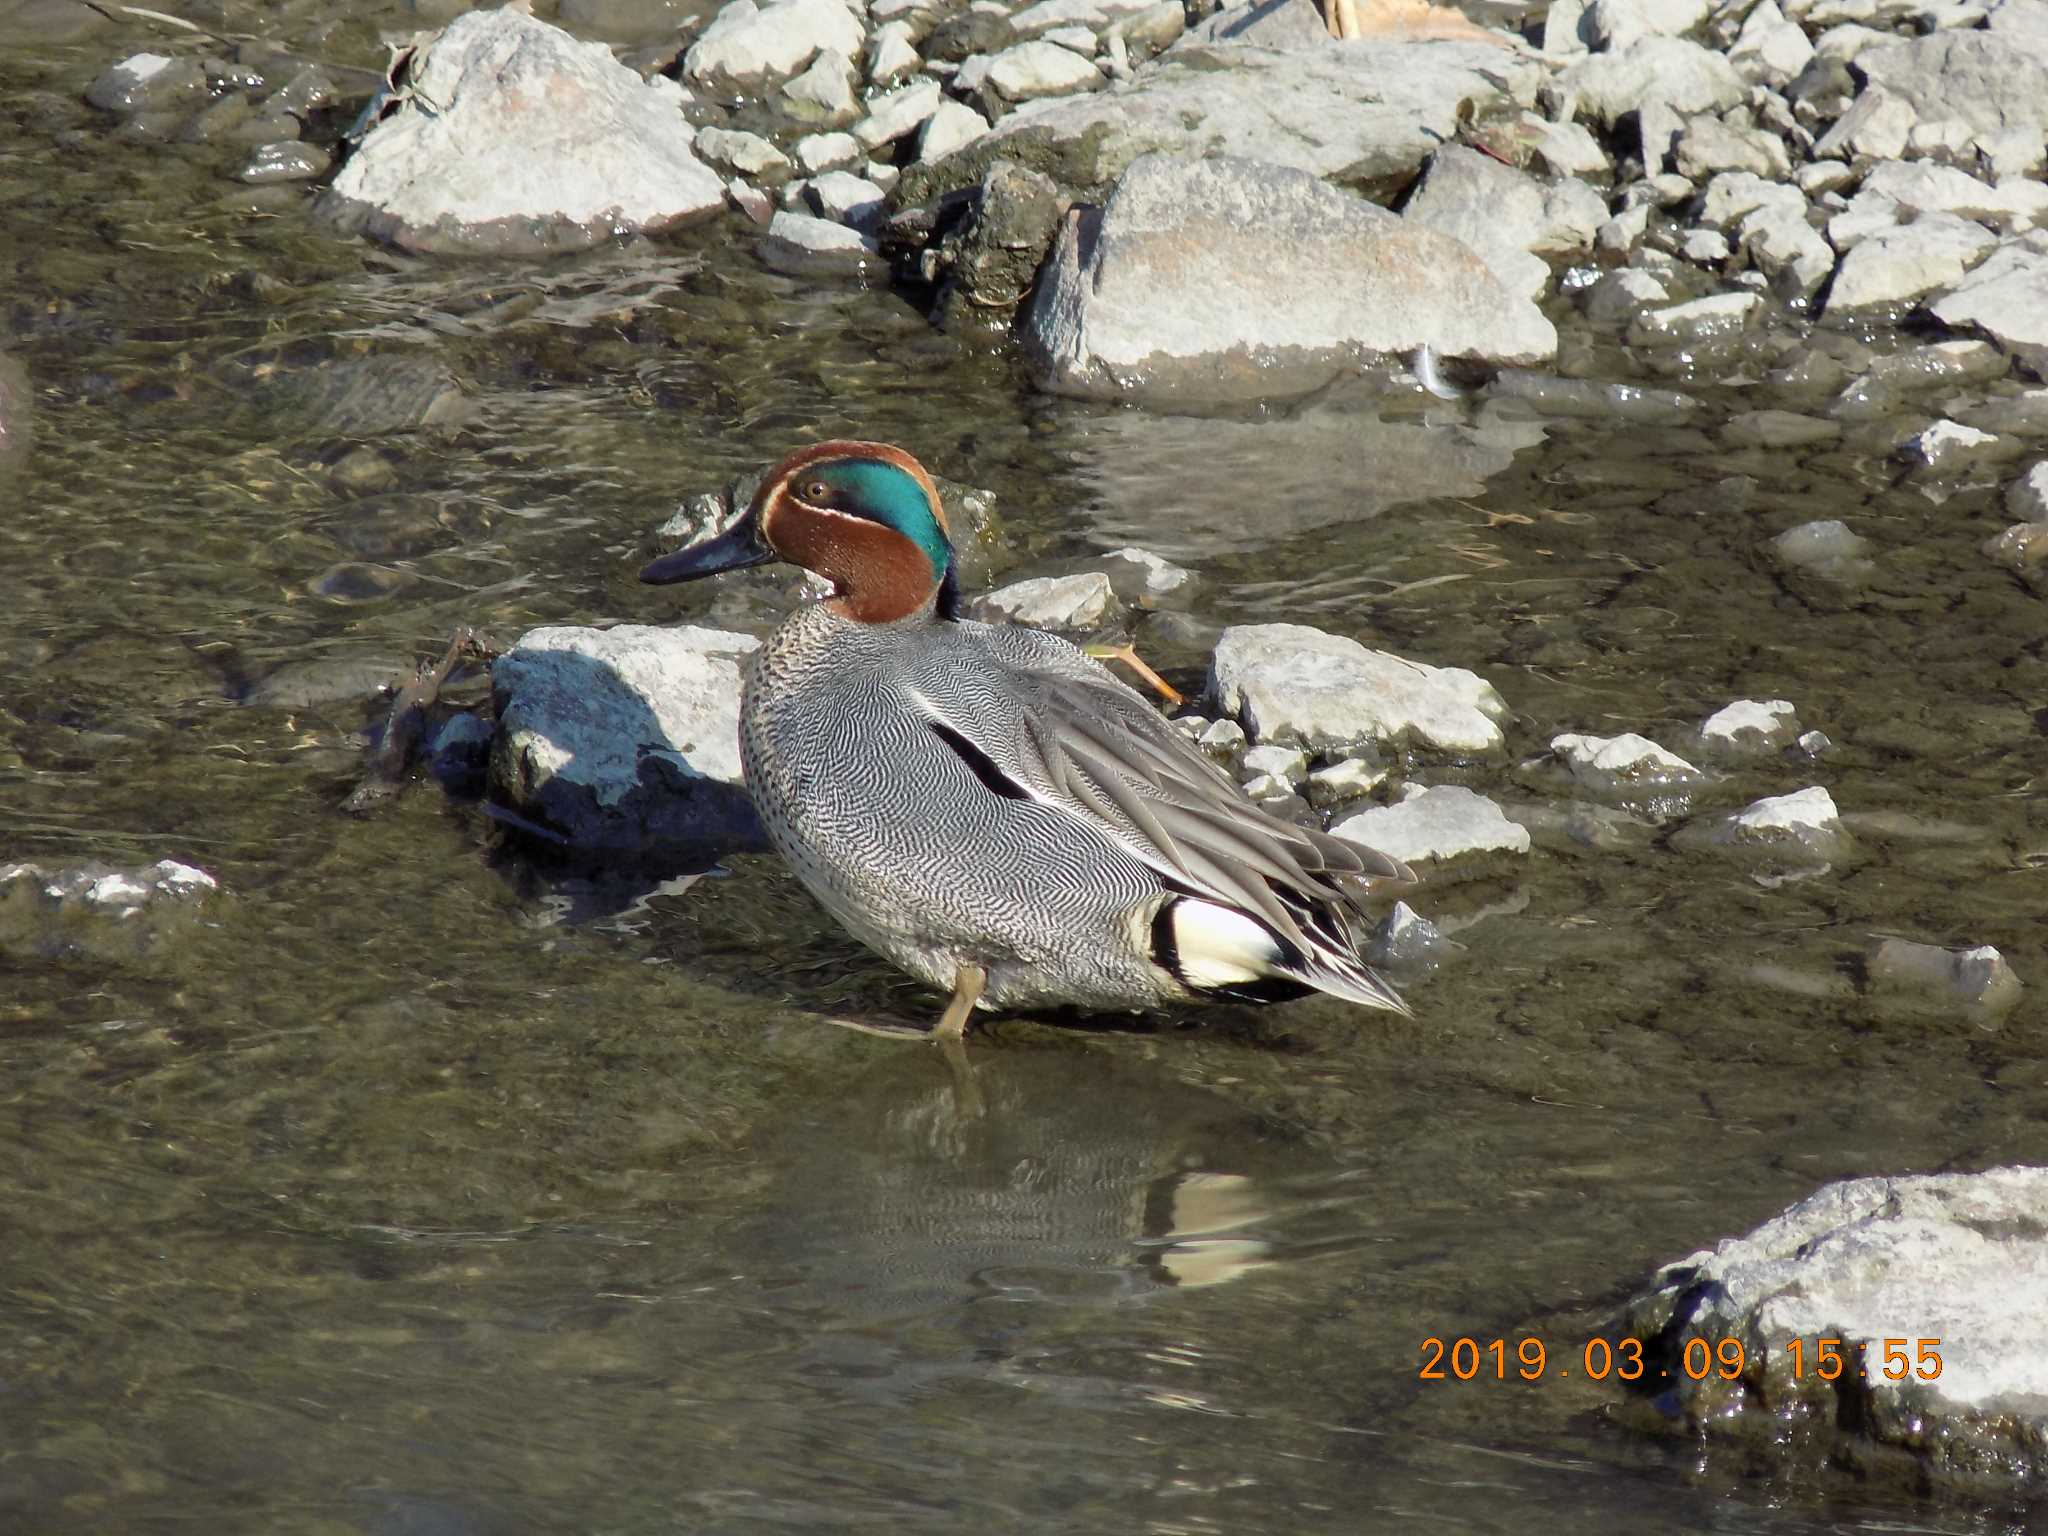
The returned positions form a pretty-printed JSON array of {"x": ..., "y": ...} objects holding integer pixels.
[{"x": 817, "y": 490}]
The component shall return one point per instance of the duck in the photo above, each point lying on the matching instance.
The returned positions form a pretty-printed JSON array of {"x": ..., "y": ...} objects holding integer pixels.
[{"x": 986, "y": 805}]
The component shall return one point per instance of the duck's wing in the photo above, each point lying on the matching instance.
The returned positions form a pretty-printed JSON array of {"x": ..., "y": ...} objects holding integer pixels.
[{"x": 1034, "y": 717}]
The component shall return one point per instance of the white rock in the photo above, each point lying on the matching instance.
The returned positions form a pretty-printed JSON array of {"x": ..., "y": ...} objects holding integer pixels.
[
  {"x": 1075, "y": 39},
  {"x": 902, "y": 111},
  {"x": 1733, "y": 194},
  {"x": 1622, "y": 293},
  {"x": 1287, "y": 763},
  {"x": 1264, "y": 787},
  {"x": 1934, "y": 251},
  {"x": 1751, "y": 724},
  {"x": 1625, "y": 761},
  {"x": 1805, "y": 810},
  {"x": 1291, "y": 683},
  {"x": 1949, "y": 442},
  {"x": 746, "y": 153},
  {"x": 798, "y": 242},
  {"x": 1344, "y": 781},
  {"x": 2027, "y": 497},
  {"x": 817, "y": 153},
  {"x": 1697, "y": 320},
  {"x": 954, "y": 125},
  {"x": 746, "y": 43},
  {"x": 1614, "y": 24},
  {"x": 823, "y": 93},
  {"x": 1200, "y": 279},
  {"x": 534, "y": 141},
  {"x": 1157, "y": 577},
  {"x": 1824, "y": 546},
  {"x": 890, "y": 55},
  {"x": 1875, "y": 128},
  {"x": 1083, "y": 601},
  {"x": 1222, "y": 738},
  {"x": 1770, "y": 48},
  {"x": 846, "y": 199},
  {"x": 2006, "y": 297},
  {"x": 1681, "y": 74},
  {"x": 1881, "y": 1263},
  {"x": 1037, "y": 68},
  {"x": 1504, "y": 214},
  {"x": 1709, "y": 147},
  {"x": 1443, "y": 822},
  {"x": 625, "y": 737}
]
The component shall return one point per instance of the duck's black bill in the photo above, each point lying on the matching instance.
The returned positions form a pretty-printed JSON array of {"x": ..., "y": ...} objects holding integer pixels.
[{"x": 733, "y": 550}]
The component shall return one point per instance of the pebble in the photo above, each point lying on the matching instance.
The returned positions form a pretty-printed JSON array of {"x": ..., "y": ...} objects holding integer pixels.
[
  {"x": 816, "y": 153},
  {"x": 823, "y": 93},
  {"x": 2027, "y": 497},
  {"x": 799, "y": 243},
  {"x": 1350, "y": 779},
  {"x": 1826, "y": 548},
  {"x": 284, "y": 162},
  {"x": 899, "y": 113},
  {"x": 953, "y": 125},
  {"x": 846, "y": 198},
  {"x": 1625, "y": 762},
  {"x": 1222, "y": 738},
  {"x": 147, "y": 82},
  {"x": 1436, "y": 824},
  {"x": 1751, "y": 725},
  {"x": 1695, "y": 321},
  {"x": 1285, "y": 763},
  {"x": 746, "y": 154},
  {"x": 1079, "y": 602}
]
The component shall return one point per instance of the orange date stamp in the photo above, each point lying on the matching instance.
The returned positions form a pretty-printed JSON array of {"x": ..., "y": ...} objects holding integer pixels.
[{"x": 1530, "y": 1359}]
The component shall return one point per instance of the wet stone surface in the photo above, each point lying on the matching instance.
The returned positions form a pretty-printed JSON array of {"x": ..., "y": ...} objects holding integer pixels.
[{"x": 425, "y": 1176}]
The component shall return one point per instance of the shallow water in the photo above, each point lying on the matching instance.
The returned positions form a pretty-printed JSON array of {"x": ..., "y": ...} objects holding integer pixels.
[{"x": 411, "y": 1187}]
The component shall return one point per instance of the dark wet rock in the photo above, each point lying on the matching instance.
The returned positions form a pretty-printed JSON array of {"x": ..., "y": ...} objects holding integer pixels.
[
  {"x": 1299, "y": 686},
  {"x": 1594, "y": 399},
  {"x": 308, "y": 90},
  {"x": 802, "y": 245},
  {"x": 1955, "y": 1263},
  {"x": 1697, "y": 320},
  {"x": 1508, "y": 217},
  {"x": 1621, "y": 294},
  {"x": 369, "y": 396},
  {"x": 1979, "y": 977},
  {"x": 1779, "y": 429},
  {"x": 1435, "y": 825},
  {"x": 459, "y": 753},
  {"x": 284, "y": 162},
  {"x": 1884, "y": 386},
  {"x": 103, "y": 911},
  {"x": 2006, "y": 297},
  {"x": 148, "y": 83},
  {"x": 747, "y": 44},
  {"x": 1081, "y": 602},
  {"x": 507, "y": 134},
  {"x": 624, "y": 739},
  {"x": 990, "y": 261},
  {"x": 328, "y": 680},
  {"x": 37, "y": 23},
  {"x": 1208, "y": 280},
  {"x": 2023, "y": 550},
  {"x": 626, "y": 21},
  {"x": 103, "y": 888},
  {"x": 1949, "y": 447},
  {"x": 968, "y": 32},
  {"x": 359, "y": 581},
  {"x": 1365, "y": 112}
]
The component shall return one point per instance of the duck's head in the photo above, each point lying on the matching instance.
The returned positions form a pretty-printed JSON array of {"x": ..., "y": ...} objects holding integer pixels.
[{"x": 865, "y": 516}]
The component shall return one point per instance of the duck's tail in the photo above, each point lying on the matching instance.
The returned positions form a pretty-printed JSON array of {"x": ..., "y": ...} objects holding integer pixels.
[{"x": 1218, "y": 951}]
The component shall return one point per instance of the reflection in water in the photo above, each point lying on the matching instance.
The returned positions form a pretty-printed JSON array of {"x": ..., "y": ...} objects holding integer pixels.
[{"x": 1336, "y": 459}]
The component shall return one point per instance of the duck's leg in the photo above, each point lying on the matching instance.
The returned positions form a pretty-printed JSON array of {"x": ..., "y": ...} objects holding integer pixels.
[
  {"x": 968, "y": 980},
  {"x": 1341, "y": 17},
  {"x": 1128, "y": 655}
]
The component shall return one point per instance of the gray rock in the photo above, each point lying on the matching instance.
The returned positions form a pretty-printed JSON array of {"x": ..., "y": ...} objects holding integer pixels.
[
  {"x": 1151, "y": 31},
  {"x": 1750, "y": 725},
  {"x": 1709, "y": 146},
  {"x": 1770, "y": 49},
  {"x": 2023, "y": 550},
  {"x": 954, "y": 125},
  {"x": 534, "y": 142},
  {"x": 802, "y": 245},
  {"x": 1734, "y": 195},
  {"x": 1949, "y": 445},
  {"x": 751, "y": 201},
  {"x": 624, "y": 739},
  {"x": 1896, "y": 189},
  {"x": 1875, "y": 128},
  {"x": 1929, "y": 1288},
  {"x": 1364, "y": 112},
  {"x": 994, "y": 261},
  {"x": 148, "y": 82},
  {"x": 1697, "y": 320},
  {"x": 1681, "y": 74},
  {"x": 1993, "y": 81},
  {"x": 1140, "y": 576},
  {"x": 269, "y": 163},
  {"x": 898, "y": 114},
  {"x": 1614, "y": 24},
  {"x": 1979, "y": 977},
  {"x": 1622, "y": 293},
  {"x": 1293, "y": 684},
  {"x": 1934, "y": 251},
  {"x": 1222, "y": 738},
  {"x": 747, "y": 154},
  {"x": 368, "y": 396},
  {"x": 1806, "y": 815},
  {"x": 1568, "y": 149},
  {"x": 823, "y": 93},
  {"x": 747, "y": 44},
  {"x": 845, "y": 199},
  {"x": 2025, "y": 498},
  {"x": 1406, "y": 938},
  {"x": 1502, "y": 213},
  {"x": 1048, "y": 15},
  {"x": 1785, "y": 248},
  {"x": 1079, "y": 602},
  {"x": 1435, "y": 825},
  {"x": 1824, "y": 547},
  {"x": 2007, "y": 298},
  {"x": 891, "y": 57},
  {"x": 1038, "y": 68},
  {"x": 1207, "y": 279}
]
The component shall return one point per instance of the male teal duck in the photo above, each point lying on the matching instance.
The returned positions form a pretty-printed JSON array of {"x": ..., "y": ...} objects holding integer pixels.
[{"x": 985, "y": 805}]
